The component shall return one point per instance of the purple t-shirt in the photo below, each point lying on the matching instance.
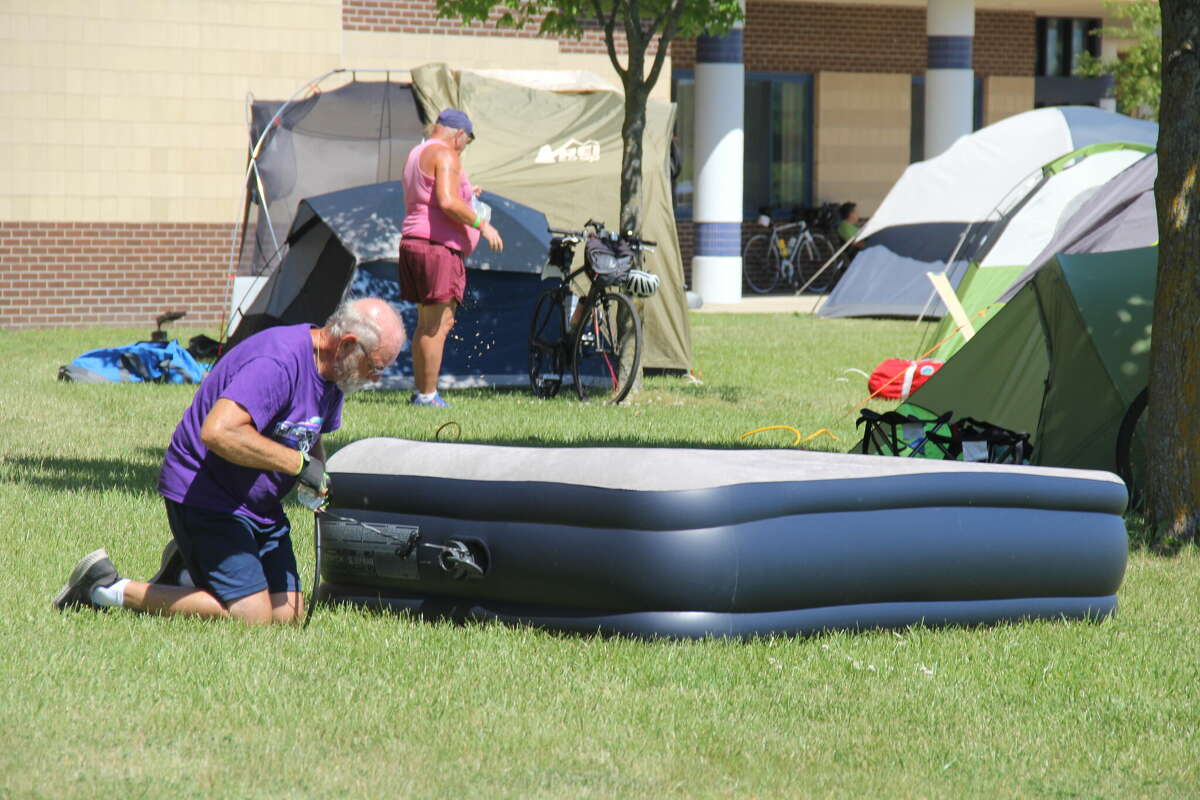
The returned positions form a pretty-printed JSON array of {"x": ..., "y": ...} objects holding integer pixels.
[{"x": 272, "y": 376}]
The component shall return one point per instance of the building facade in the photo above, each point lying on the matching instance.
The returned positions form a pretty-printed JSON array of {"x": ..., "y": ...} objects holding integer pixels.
[{"x": 125, "y": 131}]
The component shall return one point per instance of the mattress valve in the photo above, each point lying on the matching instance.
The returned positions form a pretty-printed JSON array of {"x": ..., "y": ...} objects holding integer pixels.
[{"x": 458, "y": 560}]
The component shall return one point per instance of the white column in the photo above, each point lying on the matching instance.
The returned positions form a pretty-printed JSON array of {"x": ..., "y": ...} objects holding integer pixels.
[
  {"x": 717, "y": 206},
  {"x": 949, "y": 78}
]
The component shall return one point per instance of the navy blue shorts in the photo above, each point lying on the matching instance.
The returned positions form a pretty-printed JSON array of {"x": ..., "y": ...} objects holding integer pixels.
[{"x": 231, "y": 555}]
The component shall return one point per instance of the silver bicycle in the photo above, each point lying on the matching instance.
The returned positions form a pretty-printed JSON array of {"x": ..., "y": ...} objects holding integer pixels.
[{"x": 789, "y": 254}]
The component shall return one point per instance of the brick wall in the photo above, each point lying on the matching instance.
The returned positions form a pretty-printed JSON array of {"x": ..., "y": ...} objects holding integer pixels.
[
  {"x": 687, "y": 246},
  {"x": 687, "y": 242},
  {"x": 79, "y": 274},
  {"x": 420, "y": 16},
  {"x": 1005, "y": 43},
  {"x": 787, "y": 37}
]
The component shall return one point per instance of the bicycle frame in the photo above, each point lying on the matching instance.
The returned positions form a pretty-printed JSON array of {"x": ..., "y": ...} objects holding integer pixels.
[
  {"x": 602, "y": 331},
  {"x": 789, "y": 250}
]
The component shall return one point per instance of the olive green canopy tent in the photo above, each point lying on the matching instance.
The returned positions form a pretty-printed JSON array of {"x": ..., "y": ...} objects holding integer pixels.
[
  {"x": 1062, "y": 360},
  {"x": 560, "y": 152}
]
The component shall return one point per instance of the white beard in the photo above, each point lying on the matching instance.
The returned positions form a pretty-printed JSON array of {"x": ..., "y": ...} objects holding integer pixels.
[
  {"x": 345, "y": 374},
  {"x": 352, "y": 385}
]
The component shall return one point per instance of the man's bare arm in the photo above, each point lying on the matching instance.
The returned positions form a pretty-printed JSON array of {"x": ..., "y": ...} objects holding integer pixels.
[{"x": 229, "y": 431}]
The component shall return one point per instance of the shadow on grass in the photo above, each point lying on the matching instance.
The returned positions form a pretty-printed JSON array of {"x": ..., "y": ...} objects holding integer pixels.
[
  {"x": 691, "y": 391},
  {"x": 90, "y": 474}
]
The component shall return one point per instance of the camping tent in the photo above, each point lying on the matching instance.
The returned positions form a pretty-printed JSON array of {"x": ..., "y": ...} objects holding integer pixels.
[
  {"x": 360, "y": 133},
  {"x": 561, "y": 152},
  {"x": 344, "y": 244},
  {"x": 919, "y": 224},
  {"x": 1062, "y": 360},
  {"x": 1121, "y": 217},
  {"x": 1000, "y": 248}
]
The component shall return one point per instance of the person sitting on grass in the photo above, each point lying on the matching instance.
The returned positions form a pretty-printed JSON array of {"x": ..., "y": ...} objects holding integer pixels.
[
  {"x": 251, "y": 432},
  {"x": 849, "y": 226}
]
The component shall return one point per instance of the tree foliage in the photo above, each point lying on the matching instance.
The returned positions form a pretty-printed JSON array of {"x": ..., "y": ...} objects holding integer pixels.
[
  {"x": 1138, "y": 69},
  {"x": 647, "y": 27}
]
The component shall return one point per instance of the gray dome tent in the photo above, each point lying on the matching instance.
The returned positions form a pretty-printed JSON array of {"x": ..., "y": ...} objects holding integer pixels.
[{"x": 1121, "y": 217}]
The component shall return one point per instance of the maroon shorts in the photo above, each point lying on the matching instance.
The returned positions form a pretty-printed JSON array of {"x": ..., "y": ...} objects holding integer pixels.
[{"x": 431, "y": 272}]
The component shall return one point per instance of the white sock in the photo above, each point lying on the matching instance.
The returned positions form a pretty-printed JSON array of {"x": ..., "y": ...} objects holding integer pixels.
[
  {"x": 110, "y": 596},
  {"x": 185, "y": 578},
  {"x": 425, "y": 398}
]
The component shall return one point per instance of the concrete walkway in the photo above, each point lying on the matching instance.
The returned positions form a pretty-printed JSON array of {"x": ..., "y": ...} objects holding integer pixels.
[{"x": 766, "y": 304}]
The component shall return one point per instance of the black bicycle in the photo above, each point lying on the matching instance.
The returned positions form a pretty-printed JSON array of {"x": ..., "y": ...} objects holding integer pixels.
[
  {"x": 1131, "y": 450},
  {"x": 597, "y": 336}
]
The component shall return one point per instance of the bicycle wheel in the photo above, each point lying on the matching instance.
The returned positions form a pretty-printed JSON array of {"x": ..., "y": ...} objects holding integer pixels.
[
  {"x": 760, "y": 263},
  {"x": 814, "y": 253},
  {"x": 547, "y": 344},
  {"x": 1131, "y": 450},
  {"x": 607, "y": 349}
]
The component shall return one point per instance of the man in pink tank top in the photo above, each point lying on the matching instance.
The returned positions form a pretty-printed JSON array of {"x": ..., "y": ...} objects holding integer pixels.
[{"x": 440, "y": 230}]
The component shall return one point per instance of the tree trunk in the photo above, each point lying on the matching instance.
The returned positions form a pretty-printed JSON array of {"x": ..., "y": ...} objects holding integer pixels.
[
  {"x": 632, "y": 128},
  {"x": 1173, "y": 415}
]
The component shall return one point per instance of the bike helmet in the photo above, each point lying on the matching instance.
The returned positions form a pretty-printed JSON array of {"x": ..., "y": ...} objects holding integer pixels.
[{"x": 640, "y": 283}]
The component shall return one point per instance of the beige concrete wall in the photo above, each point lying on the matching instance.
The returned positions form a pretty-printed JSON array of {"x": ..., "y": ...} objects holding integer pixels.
[
  {"x": 135, "y": 110},
  {"x": 368, "y": 49},
  {"x": 861, "y": 129},
  {"x": 1005, "y": 97}
]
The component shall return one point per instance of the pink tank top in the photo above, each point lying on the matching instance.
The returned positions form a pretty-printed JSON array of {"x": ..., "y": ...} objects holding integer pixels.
[{"x": 423, "y": 218}]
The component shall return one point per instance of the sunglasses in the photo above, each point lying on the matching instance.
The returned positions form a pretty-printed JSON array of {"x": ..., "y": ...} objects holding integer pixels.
[{"x": 376, "y": 370}]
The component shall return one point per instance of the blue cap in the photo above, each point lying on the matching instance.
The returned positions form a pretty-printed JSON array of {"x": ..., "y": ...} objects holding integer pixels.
[{"x": 453, "y": 118}]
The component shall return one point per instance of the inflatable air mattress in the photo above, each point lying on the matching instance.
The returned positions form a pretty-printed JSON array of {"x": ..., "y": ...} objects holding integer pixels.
[{"x": 694, "y": 543}]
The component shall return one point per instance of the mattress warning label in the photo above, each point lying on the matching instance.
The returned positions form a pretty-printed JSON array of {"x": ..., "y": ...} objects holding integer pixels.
[{"x": 356, "y": 552}]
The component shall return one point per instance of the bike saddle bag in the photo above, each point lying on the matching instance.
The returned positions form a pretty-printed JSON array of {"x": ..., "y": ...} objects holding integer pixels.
[{"x": 608, "y": 261}]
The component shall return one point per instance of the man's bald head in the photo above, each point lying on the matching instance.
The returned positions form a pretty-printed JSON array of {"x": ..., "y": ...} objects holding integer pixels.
[{"x": 374, "y": 323}]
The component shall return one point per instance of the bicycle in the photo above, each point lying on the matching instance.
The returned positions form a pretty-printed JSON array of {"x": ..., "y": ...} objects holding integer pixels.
[
  {"x": 599, "y": 335},
  {"x": 786, "y": 255},
  {"x": 1132, "y": 445}
]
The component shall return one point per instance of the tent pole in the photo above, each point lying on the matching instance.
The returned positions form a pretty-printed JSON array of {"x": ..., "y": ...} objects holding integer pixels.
[
  {"x": 825, "y": 266},
  {"x": 262, "y": 193},
  {"x": 962, "y": 237}
]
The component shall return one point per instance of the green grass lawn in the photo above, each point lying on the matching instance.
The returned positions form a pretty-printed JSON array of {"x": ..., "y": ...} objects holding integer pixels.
[{"x": 368, "y": 705}]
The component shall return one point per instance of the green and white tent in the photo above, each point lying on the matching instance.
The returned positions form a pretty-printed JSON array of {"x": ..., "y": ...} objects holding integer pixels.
[
  {"x": 1062, "y": 360},
  {"x": 1001, "y": 248}
]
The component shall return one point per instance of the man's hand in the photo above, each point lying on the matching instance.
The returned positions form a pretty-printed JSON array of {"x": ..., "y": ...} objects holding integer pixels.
[
  {"x": 492, "y": 236},
  {"x": 313, "y": 491},
  {"x": 314, "y": 476}
]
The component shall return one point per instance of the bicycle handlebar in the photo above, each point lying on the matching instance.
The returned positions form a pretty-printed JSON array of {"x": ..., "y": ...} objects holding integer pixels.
[{"x": 598, "y": 230}]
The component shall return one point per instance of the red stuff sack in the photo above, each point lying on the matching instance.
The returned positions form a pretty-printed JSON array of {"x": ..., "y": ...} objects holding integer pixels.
[{"x": 897, "y": 378}]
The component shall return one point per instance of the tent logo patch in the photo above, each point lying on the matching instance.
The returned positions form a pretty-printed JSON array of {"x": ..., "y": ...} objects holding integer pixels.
[{"x": 571, "y": 150}]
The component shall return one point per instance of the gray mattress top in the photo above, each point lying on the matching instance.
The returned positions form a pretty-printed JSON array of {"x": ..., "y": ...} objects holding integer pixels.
[{"x": 648, "y": 469}]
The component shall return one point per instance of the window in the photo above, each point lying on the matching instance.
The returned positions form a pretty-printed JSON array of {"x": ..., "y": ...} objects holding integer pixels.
[
  {"x": 1061, "y": 40},
  {"x": 683, "y": 93},
  {"x": 777, "y": 169}
]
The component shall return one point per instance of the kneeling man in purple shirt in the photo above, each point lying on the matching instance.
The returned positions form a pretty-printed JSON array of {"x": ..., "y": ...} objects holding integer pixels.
[{"x": 252, "y": 432}]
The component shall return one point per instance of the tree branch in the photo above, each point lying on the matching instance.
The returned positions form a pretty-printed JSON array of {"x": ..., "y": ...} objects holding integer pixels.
[
  {"x": 668, "y": 9},
  {"x": 609, "y": 24},
  {"x": 633, "y": 32},
  {"x": 664, "y": 40}
]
